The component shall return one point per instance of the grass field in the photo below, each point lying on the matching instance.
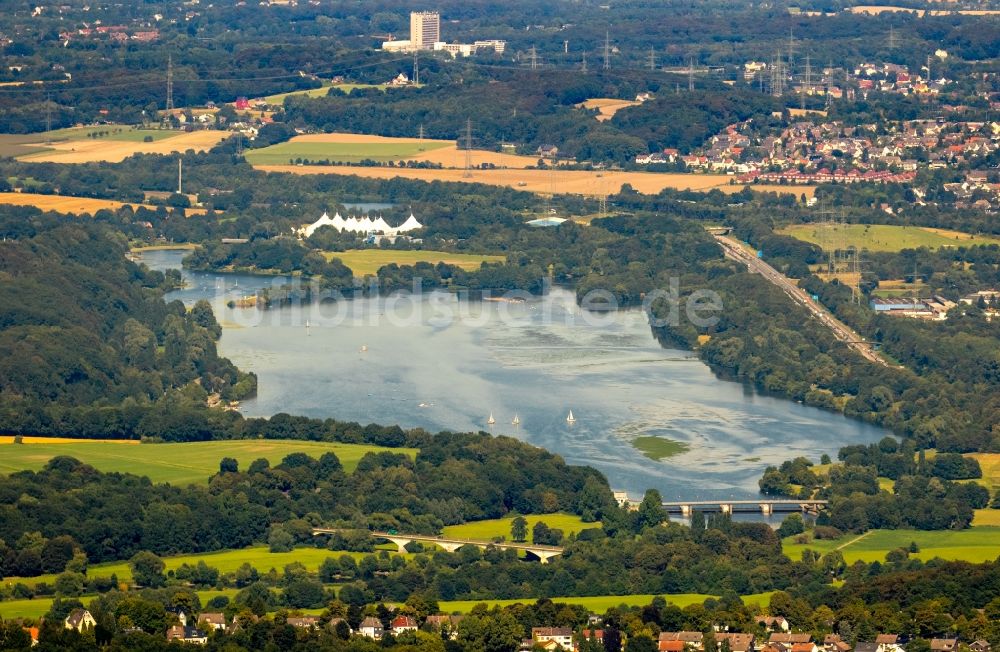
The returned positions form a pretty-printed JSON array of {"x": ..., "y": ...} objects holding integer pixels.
[
  {"x": 329, "y": 147},
  {"x": 658, "y": 448},
  {"x": 178, "y": 464},
  {"x": 368, "y": 261},
  {"x": 487, "y": 530},
  {"x": 600, "y": 604},
  {"x": 226, "y": 561},
  {"x": 976, "y": 544},
  {"x": 990, "y": 464},
  {"x": 881, "y": 237},
  {"x": 66, "y": 204},
  {"x": 39, "y": 606}
]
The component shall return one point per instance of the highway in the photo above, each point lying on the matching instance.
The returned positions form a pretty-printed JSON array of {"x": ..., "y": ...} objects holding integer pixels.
[{"x": 734, "y": 250}]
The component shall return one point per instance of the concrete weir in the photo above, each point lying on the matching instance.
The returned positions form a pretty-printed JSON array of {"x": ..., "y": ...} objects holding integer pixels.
[{"x": 542, "y": 553}]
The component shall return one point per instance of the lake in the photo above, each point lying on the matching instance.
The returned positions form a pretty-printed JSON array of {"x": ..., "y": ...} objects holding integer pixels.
[{"x": 440, "y": 363}]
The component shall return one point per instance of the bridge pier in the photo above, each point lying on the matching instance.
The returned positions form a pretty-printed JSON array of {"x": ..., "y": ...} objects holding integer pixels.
[
  {"x": 725, "y": 508},
  {"x": 544, "y": 555},
  {"x": 400, "y": 543},
  {"x": 766, "y": 509},
  {"x": 686, "y": 511}
]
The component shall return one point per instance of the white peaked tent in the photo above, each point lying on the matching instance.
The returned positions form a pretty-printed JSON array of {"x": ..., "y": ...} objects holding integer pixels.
[
  {"x": 411, "y": 224},
  {"x": 363, "y": 225}
]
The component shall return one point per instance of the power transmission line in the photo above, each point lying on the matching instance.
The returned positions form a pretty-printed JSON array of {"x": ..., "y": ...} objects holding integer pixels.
[
  {"x": 170, "y": 82},
  {"x": 468, "y": 149}
]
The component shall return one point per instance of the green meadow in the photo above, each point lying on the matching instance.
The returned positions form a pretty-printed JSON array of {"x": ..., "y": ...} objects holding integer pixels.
[
  {"x": 500, "y": 527},
  {"x": 227, "y": 561},
  {"x": 977, "y": 544},
  {"x": 601, "y": 603},
  {"x": 287, "y": 152},
  {"x": 37, "y": 607},
  {"x": 180, "y": 463},
  {"x": 880, "y": 237}
]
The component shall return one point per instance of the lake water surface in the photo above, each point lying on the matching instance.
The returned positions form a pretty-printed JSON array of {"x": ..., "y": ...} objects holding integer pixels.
[{"x": 537, "y": 360}]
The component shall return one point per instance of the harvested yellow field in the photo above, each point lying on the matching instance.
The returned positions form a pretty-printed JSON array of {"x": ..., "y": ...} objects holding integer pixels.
[
  {"x": 798, "y": 113},
  {"x": 875, "y": 10},
  {"x": 116, "y": 151},
  {"x": 65, "y": 204},
  {"x": 9, "y": 439},
  {"x": 606, "y": 107},
  {"x": 579, "y": 182},
  {"x": 547, "y": 182},
  {"x": 453, "y": 157}
]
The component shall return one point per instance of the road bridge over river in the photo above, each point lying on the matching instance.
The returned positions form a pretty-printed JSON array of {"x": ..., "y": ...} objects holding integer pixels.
[{"x": 542, "y": 553}]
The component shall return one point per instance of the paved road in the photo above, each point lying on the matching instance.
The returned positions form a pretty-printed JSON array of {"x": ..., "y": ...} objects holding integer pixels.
[{"x": 840, "y": 330}]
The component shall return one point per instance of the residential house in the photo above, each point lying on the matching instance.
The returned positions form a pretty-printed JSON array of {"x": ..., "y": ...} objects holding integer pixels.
[
  {"x": 944, "y": 644},
  {"x": 372, "y": 628},
  {"x": 833, "y": 643},
  {"x": 548, "y": 151},
  {"x": 738, "y": 642},
  {"x": 560, "y": 636},
  {"x": 888, "y": 643},
  {"x": 597, "y": 634},
  {"x": 304, "y": 622},
  {"x": 402, "y": 624},
  {"x": 446, "y": 625},
  {"x": 804, "y": 647},
  {"x": 677, "y": 641},
  {"x": 186, "y": 634},
  {"x": 80, "y": 619},
  {"x": 789, "y": 638},
  {"x": 980, "y": 646},
  {"x": 33, "y": 633},
  {"x": 212, "y": 620}
]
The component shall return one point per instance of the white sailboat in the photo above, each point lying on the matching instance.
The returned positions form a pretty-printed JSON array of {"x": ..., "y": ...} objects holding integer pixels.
[
  {"x": 517, "y": 420},
  {"x": 570, "y": 418},
  {"x": 364, "y": 347},
  {"x": 491, "y": 420}
]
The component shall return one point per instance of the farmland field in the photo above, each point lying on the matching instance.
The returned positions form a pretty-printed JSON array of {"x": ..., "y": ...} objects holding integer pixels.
[
  {"x": 497, "y": 527},
  {"x": 368, "y": 261},
  {"x": 881, "y": 237},
  {"x": 342, "y": 148},
  {"x": 601, "y": 603},
  {"x": 976, "y": 544},
  {"x": 606, "y": 107},
  {"x": 64, "y": 204},
  {"x": 74, "y": 146},
  {"x": 578, "y": 182},
  {"x": 178, "y": 464}
]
